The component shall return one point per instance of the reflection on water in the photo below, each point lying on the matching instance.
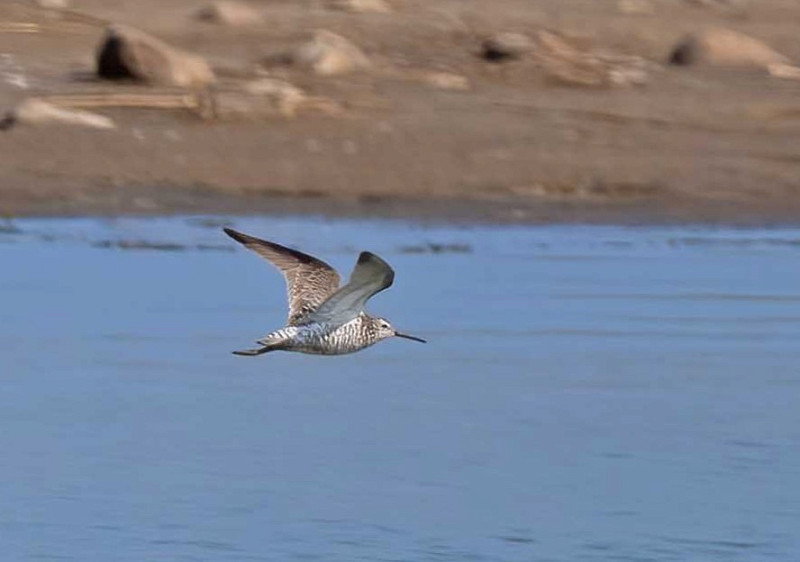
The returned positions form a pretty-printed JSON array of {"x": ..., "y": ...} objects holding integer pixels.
[{"x": 589, "y": 393}]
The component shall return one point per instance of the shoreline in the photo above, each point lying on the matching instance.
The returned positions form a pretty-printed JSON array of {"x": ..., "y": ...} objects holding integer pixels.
[{"x": 178, "y": 201}]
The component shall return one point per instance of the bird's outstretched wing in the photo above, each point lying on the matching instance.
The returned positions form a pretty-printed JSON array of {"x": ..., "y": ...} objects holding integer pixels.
[
  {"x": 309, "y": 281},
  {"x": 371, "y": 275}
]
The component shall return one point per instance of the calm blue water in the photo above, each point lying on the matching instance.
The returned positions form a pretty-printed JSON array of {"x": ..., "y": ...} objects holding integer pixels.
[{"x": 588, "y": 394}]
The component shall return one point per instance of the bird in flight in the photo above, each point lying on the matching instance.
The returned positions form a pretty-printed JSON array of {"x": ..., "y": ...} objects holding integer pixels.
[{"x": 324, "y": 319}]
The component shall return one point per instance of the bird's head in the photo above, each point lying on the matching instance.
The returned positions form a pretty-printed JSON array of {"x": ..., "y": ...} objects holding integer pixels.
[{"x": 386, "y": 330}]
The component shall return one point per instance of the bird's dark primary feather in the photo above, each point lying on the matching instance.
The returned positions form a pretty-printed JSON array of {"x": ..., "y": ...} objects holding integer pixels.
[{"x": 309, "y": 281}]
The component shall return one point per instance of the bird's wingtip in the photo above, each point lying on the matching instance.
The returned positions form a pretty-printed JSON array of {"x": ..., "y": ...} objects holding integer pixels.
[
  {"x": 236, "y": 235},
  {"x": 365, "y": 256},
  {"x": 231, "y": 232}
]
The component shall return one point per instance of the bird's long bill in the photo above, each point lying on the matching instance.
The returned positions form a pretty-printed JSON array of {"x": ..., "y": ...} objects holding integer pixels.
[{"x": 413, "y": 338}]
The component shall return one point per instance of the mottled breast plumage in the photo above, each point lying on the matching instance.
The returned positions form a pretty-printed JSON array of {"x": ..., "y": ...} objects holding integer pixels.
[{"x": 347, "y": 338}]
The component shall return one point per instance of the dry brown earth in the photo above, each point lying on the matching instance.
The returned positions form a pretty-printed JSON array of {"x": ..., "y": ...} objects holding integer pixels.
[{"x": 698, "y": 143}]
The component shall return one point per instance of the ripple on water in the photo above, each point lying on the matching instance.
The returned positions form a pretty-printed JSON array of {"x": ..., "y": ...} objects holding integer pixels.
[{"x": 598, "y": 394}]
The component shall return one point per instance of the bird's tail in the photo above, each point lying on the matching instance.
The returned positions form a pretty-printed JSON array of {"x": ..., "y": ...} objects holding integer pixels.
[{"x": 271, "y": 342}]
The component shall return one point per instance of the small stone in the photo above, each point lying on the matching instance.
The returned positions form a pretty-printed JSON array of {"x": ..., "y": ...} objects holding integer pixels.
[
  {"x": 447, "y": 81},
  {"x": 727, "y": 4},
  {"x": 629, "y": 72},
  {"x": 313, "y": 146},
  {"x": 635, "y": 7},
  {"x": 507, "y": 45},
  {"x": 129, "y": 53},
  {"x": 272, "y": 86},
  {"x": 329, "y": 54},
  {"x": 570, "y": 66},
  {"x": 287, "y": 97},
  {"x": 266, "y": 98},
  {"x": 226, "y": 105},
  {"x": 785, "y": 71},
  {"x": 230, "y": 12},
  {"x": 361, "y": 6},
  {"x": 350, "y": 148},
  {"x": 725, "y": 48},
  {"x": 52, "y": 4},
  {"x": 35, "y": 111}
]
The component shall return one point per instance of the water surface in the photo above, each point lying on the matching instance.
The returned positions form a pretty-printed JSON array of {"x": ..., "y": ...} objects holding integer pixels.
[{"x": 588, "y": 394}]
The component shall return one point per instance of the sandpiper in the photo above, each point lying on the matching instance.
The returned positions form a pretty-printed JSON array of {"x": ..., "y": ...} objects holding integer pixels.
[{"x": 324, "y": 319}]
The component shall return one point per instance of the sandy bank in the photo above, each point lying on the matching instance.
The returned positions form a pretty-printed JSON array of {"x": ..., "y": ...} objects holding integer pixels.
[{"x": 691, "y": 144}]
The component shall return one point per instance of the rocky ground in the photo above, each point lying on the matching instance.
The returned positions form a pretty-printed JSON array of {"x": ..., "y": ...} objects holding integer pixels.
[{"x": 572, "y": 112}]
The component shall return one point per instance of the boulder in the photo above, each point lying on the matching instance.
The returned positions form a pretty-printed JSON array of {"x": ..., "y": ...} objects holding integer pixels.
[
  {"x": 328, "y": 54},
  {"x": 35, "y": 111},
  {"x": 725, "y": 48},
  {"x": 129, "y": 53},
  {"x": 230, "y": 12},
  {"x": 506, "y": 45}
]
